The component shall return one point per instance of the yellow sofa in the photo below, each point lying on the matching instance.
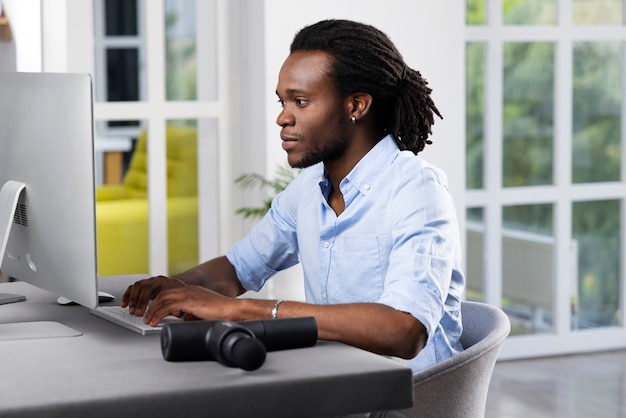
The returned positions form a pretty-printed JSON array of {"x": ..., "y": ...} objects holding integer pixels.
[{"x": 122, "y": 210}]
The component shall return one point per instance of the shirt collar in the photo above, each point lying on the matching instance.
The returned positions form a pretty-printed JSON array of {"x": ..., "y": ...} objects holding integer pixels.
[{"x": 367, "y": 170}]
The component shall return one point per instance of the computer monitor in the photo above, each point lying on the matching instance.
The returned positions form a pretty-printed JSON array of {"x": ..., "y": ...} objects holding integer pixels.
[{"x": 47, "y": 203}]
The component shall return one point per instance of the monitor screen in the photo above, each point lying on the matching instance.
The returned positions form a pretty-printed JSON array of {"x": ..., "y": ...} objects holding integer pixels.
[{"x": 47, "y": 205}]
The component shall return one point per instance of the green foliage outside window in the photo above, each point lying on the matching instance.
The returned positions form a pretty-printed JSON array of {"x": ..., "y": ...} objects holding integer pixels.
[
  {"x": 180, "y": 53},
  {"x": 528, "y": 143}
]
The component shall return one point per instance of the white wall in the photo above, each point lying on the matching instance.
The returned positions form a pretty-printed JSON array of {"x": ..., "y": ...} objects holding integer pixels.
[
  {"x": 430, "y": 36},
  {"x": 23, "y": 53}
]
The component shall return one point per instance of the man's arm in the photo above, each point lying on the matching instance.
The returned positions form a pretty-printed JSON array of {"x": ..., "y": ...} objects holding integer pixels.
[
  {"x": 216, "y": 274},
  {"x": 209, "y": 291},
  {"x": 370, "y": 326}
]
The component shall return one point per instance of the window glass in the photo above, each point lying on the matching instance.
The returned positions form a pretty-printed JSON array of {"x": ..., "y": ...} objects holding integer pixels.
[
  {"x": 475, "y": 255},
  {"x": 475, "y": 105},
  {"x": 122, "y": 199},
  {"x": 475, "y": 12},
  {"x": 119, "y": 51},
  {"x": 597, "y": 108},
  {"x": 122, "y": 72},
  {"x": 528, "y": 260},
  {"x": 528, "y": 113},
  {"x": 120, "y": 17},
  {"x": 180, "y": 49},
  {"x": 597, "y": 12},
  {"x": 596, "y": 229},
  {"x": 182, "y": 141},
  {"x": 529, "y": 12},
  {"x": 114, "y": 143}
]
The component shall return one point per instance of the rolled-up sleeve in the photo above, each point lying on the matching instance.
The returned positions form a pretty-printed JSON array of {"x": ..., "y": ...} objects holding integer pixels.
[
  {"x": 271, "y": 246},
  {"x": 424, "y": 276}
]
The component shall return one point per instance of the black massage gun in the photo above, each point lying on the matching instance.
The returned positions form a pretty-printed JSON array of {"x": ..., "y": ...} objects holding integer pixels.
[{"x": 235, "y": 344}]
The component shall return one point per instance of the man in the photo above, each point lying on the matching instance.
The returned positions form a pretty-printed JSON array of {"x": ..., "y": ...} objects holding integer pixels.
[{"x": 372, "y": 224}]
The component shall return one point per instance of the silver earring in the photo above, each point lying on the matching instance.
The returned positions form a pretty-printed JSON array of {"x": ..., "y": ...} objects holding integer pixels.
[{"x": 353, "y": 119}]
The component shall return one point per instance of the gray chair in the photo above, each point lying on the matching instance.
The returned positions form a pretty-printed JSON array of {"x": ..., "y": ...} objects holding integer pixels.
[{"x": 458, "y": 386}]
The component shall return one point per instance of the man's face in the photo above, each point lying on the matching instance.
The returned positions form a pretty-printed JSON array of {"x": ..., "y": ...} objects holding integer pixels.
[{"x": 314, "y": 116}]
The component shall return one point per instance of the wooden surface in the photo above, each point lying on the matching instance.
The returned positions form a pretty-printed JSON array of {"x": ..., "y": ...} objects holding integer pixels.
[{"x": 113, "y": 162}]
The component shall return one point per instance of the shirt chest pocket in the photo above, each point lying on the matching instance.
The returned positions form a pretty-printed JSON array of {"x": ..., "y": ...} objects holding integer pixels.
[{"x": 357, "y": 267}]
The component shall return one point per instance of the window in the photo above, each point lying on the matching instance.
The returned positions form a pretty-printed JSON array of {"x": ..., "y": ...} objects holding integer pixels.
[
  {"x": 158, "y": 123},
  {"x": 545, "y": 177}
]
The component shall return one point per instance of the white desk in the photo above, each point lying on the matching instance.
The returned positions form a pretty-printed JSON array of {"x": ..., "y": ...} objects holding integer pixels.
[{"x": 109, "y": 371}]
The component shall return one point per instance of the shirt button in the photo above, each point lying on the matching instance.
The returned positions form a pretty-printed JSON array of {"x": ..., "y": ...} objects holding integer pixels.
[
  {"x": 366, "y": 187},
  {"x": 324, "y": 296},
  {"x": 326, "y": 244}
]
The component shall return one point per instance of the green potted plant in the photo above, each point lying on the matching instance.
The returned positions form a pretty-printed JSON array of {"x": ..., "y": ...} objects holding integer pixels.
[{"x": 284, "y": 175}]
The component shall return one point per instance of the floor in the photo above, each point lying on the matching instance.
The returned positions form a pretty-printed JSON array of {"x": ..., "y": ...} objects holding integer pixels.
[{"x": 585, "y": 386}]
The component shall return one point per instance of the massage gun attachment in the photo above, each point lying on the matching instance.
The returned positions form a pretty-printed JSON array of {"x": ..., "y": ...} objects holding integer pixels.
[{"x": 235, "y": 344}]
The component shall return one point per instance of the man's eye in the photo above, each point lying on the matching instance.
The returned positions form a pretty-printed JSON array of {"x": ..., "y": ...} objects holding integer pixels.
[
  {"x": 281, "y": 102},
  {"x": 300, "y": 102}
]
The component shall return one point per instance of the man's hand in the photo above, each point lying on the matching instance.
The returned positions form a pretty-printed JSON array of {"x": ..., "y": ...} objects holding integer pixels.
[
  {"x": 191, "y": 302},
  {"x": 139, "y": 294}
]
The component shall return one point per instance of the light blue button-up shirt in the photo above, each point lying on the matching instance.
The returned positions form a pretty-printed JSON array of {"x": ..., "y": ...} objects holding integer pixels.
[{"x": 396, "y": 243}]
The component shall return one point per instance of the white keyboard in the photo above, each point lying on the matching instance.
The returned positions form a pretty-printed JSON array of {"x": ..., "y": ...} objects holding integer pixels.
[{"x": 120, "y": 316}]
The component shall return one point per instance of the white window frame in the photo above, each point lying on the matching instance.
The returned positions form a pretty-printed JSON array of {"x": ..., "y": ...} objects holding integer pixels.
[
  {"x": 493, "y": 197},
  {"x": 101, "y": 43},
  {"x": 72, "y": 50}
]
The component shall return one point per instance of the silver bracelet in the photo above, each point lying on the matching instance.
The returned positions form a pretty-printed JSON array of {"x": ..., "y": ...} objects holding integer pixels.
[{"x": 275, "y": 308}]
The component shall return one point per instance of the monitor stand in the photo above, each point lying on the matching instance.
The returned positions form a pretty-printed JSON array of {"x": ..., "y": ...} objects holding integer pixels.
[{"x": 9, "y": 197}]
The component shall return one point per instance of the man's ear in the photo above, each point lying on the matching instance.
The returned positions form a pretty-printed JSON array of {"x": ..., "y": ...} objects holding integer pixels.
[{"x": 359, "y": 105}]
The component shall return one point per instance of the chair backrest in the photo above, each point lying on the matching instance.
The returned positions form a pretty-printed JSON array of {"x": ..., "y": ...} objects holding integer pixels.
[
  {"x": 458, "y": 386},
  {"x": 182, "y": 163}
]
